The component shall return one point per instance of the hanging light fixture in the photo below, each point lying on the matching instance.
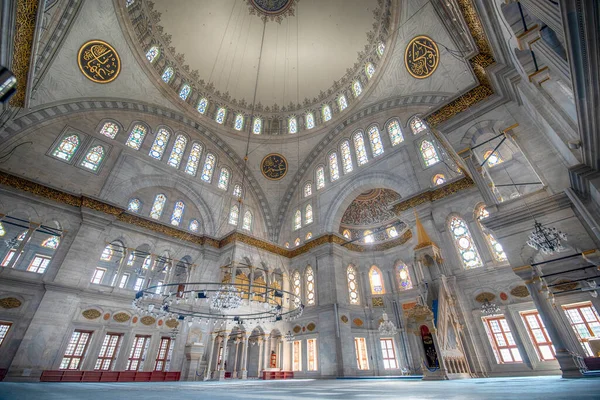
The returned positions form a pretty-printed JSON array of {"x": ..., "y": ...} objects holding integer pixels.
[
  {"x": 289, "y": 336},
  {"x": 387, "y": 327},
  {"x": 488, "y": 308},
  {"x": 547, "y": 240},
  {"x": 226, "y": 298}
]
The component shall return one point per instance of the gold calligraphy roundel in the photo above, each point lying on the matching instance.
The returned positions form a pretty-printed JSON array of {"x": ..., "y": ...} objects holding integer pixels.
[
  {"x": 421, "y": 57},
  {"x": 98, "y": 61},
  {"x": 274, "y": 166}
]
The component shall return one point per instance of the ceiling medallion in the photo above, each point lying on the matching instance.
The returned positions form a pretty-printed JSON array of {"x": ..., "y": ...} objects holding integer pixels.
[
  {"x": 98, "y": 61},
  {"x": 273, "y": 10},
  {"x": 421, "y": 57},
  {"x": 274, "y": 166}
]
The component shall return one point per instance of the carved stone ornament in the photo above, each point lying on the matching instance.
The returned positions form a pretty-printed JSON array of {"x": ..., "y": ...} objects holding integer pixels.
[
  {"x": 377, "y": 301},
  {"x": 520, "y": 291},
  {"x": 121, "y": 317},
  {"x": 344, "y": 319},
  {"x": 297, "y": 329},
  {"x": 311, "y": 327},
  {"x": 148, "y": 320},
  {"x": 172, "y": 323},
  {"x": 419, "y": 313},
  {"x": 565, "y": 284},
  {"x": 358, "y": 322},
  {"x": 10, "y": 302},
  {"x": 91, "y": 314}
]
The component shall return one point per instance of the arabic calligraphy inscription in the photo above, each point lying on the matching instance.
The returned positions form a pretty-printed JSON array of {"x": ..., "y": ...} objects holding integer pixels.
[
  {"x": 274, "y": 166},
  {"x": 98, "y": 61},
  {"x": 421, "y": 57}
]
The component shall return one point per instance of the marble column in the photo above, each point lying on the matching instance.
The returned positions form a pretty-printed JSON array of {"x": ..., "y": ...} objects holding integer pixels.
[
  {"x": 221, "y": 373},
  {"x": 244, "y": 356},
  {"x": 211, "y": 353},
  {"x": 235, "y": 359},
  {"x": 260, "y": 353},
  {"x": 267, "y": 352}
]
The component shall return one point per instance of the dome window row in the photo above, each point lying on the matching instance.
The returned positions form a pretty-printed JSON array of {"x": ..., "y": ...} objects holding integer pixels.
[{"x": 158, "y": 207}]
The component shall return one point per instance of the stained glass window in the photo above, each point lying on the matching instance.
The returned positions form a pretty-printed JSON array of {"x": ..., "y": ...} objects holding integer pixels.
[
  {"x": 346, "y": 157},
  {"x": 380, "y": 48},
  {"x": 168, "y": 74},
  {"x": 185, "y": 92},
  {"x": 2, "y": 230},
  {"x": 209, "y": 166},
  {"x": 257, "y": 125},
  {"x": 157, "y": 207},
  {"x": 395, "y": 132},
  {"x": 368, "y": 236},
  {"x": 464, "y": 243},
  {"x": 326, "y": 111},
  {"x": 194, "y": 225},
  {"x": 310, "y": 121},
  {"x": 497, "y": 250},
  {"x": 193, "y": 159},
  {"x": 375, "y": 139},
  {"x": 403, "y": 277},
  {"x": 296, "y": 286},
  {"x": 308, "y": 236},
  {"x": 234, "y": 214},
  {"x": 359, "y": 147},
  {"x": 136, "y": 137},
  {"x": 369, "y": 70},
  {"x": 334, "y": 171},
  {"x": 320, "y": 177},
  {"x": 239, "y": 122},
  {"x": 439, "y": 179},
  {"x": 160, "y": 143},
  {"x": 356, "y": 88},
  {"x": 237, "y": 191},
  {"x": 177, "y": 151},
  {"x": 202, "y": 105},
  {"x": 308, "y": 215},
  {"x": 224, "y": 179},
  {"x": 352, "y": 285},
  {"x": 287, "y": 245},
  {"x": 134, "y": 205},
  {"x": 93, "y": 158},
  {"x": 107, "y": 254},
  {"x": 153, "y": 53},
  {"x": 347, "y": 234},
  {"x": 292, "y": 125},
  {"x": 307, "y": 189},
  {"x": 247, "y": 221},
  {"x": 66, "y": 148},
  {"x": 129, "y": 3},
  {"x": 297, "y": 242},
  {"x": 309, "y": 285},
  {"x": 392, "y": 232},
  {"x": 147, "y": 262},
  {"x": 221, "y": 113},
  {"x": 342, "y": 102},
  {"x": 177, "y": 213},
  {"x": 417, "y": 125},
  {"x": 51, "y": 243},
  {"x": 376, "y": 280},
  {"x": 493, "y": 158},
  {"x": 429, "y": 153},
  {"x": 297, "y": 220},
  {"x": 109, "y": 129}
]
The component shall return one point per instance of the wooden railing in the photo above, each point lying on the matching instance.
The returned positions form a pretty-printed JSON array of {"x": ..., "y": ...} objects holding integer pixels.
[
  {"x": 267, "y": 375},
  {"x": 108, "y": 376}
]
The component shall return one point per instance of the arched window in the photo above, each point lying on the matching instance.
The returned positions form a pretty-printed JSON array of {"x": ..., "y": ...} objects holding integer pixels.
[
  {"x": 346, "y": 156},
  {"x": 493, "y": 158},
  {"x": 380, "y": 48},
  {"x": 237, "y": 191},
  {"x": 309, "y": 285},
  {"x": 193, "y": 159},
  {"x": 167, "y": 74},
  {"x": 368, "y": 236},
  {"x": 310, "y": 121},
  {"x": 307, "y": 189},
  {"x": 296, "y": 287},
  {"x": 464, "y": 243},
  {"x": 209, "y": 166},
  {"x": 297, "y": 220},
  {"x": 257, "y": 126},
  {"x": 177, "y": 151},
  {"x": 320, "y": 177},
  {"x": 352, "y": 285},
  {"x": 247, "y": 221},
  {"x": 356, "y": 88},
  {"x": 66, "y": 148},
  {"x": 130, "y": 259},
  {"x": 234, "y": 214},
  {"x": 392, "y": 232},
  {"x": 347, "y": 234},
  {"x": 158, "y": 206},
  {"x": 107, "y": 254},
  {"x": 287, "y": 245},
  {"x": 439, "y": 179},
  {"x": 177, "y": 213},
  {"x": 342, "y": 102},
  {"x": 134, "y": 205},
  {"x": 308, "y": 236},
  {"x": 308, "y": 215},
  {"x": 395, "y": 132},
  {"x": 359, "y": 147},
  {"x": 239, "y": 122},
  {"x": 375, "y": 139},
  {"x": 109, "y": 129},
  {"x": 326, "y": 111},
  {"x": 160, "y": 144},
  {"x": 403, "y": 276},
  {"x": 417, "y": 125},
  {"x": 185, "y": 92},
  {"x": 297, "y": 242},
  {"x": 147, "y": 262},
  {"x": 136, "y": 137},
  {"x": 194, "y": 225},
  {"x": 2, "y": 230},
  {"x": 376, "y": 280},
  {"x": 51, "y": 243},
  {"x": 220, "y": 116},
  {"x": 369, "y": 70},
  {"x": 202, "y": 105},
  {"x": 497, "y": 250},
  {"x": 428, "y": 153},
  {"x": 224, "y": 179},
  {"x": 153, "y": 53},
  {"x": 292, "y": 125},
  {"x": 334, "y": 171},
  {"x": 93, "y": 158}
]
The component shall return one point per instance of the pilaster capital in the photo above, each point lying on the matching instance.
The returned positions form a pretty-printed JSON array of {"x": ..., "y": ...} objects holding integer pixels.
[{"x": 525, "y": 272}]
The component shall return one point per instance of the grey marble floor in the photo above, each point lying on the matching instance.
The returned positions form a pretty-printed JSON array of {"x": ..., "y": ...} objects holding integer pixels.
[{"x": 546, "y": 388}]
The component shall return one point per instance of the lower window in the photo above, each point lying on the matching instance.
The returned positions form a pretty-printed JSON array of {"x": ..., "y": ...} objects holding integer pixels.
[
  {"x": 539, "y": 335},
  {"x": 108, "y": 352},
  {"x": 163, "y": 358},
  {"x": 76, "y": 349},
  {"x": 389, "y": 354},
  {"x": 585, "y": 322},
  {"x": 297, "y": 356},
  {"x": 4, "y": 327},
  {"x": 137, "y": 355},
  {"x": 502, "y": 340},
  {"x": 311, "y": 346},
  {"x": 362, "y": 360},
  {"x": 39, "y": 264}
]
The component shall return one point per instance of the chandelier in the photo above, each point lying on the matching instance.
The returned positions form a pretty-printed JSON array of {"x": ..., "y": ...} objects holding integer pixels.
[
  {"x": 387, "y": 327},
  {"x": 488, "y": 308},
  {"x": 289, "y": 336},
  {"x": 547, "y": 240},
  {"x": 227, "y": 297}
]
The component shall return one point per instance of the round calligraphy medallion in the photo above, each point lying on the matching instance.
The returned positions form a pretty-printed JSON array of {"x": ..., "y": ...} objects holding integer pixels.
[
  {"x": 99, "y": 61},
  {"x": 274, "y": 166},
  {"x": 421, "y": 57}
]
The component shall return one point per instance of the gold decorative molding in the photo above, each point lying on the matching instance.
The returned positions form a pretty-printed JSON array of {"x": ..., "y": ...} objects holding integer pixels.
[
  {"x": 357, "y": 322},
  {"x": 344, "y": 319},
  {"x": 377, "y": 301},
  {"x": 482, "y": 297},
  {"x": 172, "y": 323},
  {"x": 10, "y": 302},
  {"x": 419, "y": 313},
  {"x": 311, "y": 327},
  {"x": 297, "y": 329},
  {"x": 148, "y": 320},
  {"x": 26, "y": 19},
  {"x": 433, "y": 195},
  {"x": 520, "y": 291},
  {"x": 91, "y": 314},
  {"x": 121, "y": 317}
]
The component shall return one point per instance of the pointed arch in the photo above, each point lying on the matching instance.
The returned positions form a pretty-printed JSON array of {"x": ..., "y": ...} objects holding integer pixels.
[
  {"x": 234, "y": 214},
  {"x": 167, "y": 74},
  {"x": 495, "y": 247},
  {"x": 160, "y": 144},
  {"x": 334, "y": 170},
  {"x": 309, "y": 286},
  {"x": 308, "y": 215},
  {"x": 177, "y": 151},
  {"x": 395, "y": 131},
  {"x": 134, "y": 205},
  {"x": 296, "y": 288},
  {"x": 136, "y": 136},
  {"x": 309, "y": 120},
  {"x": 67, "y": 147},
  {"x": 346, "y": 157},
  {"x": 193, "y": 159},
  {"x": 403, "y": 276},
  {"x": 202, "y": 105},
  {"x": 326, "y": 112},
  {"x": 238, "y": 124},
  {"x": 376, "y": 280},
  {"x": 209, "y": 167},
  {"x": 359, "y": 148},
  {"x": 110, "y": 129},
  {"x": 224, "y": 177},
  {"x": 307, "y": 189},
  {"x": 247, "y": 221},
  {"x": 93, "y": 158},
  {"x": 297, "y": 220},
  {"x": 463, "y": 243},
  {"x": 320, "y": 177},
  {"x": 153, "y": 53},
  {"x": 342, "y": 102},
  {"x": 417, "y": 125},
  {"x": 177, "y": 213},
  {"x": 352, "y": 279},
  {"x": 375, "y": 140},
  {"x": 158, "y": 206},
  {"x": 429, "y": 153}
]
